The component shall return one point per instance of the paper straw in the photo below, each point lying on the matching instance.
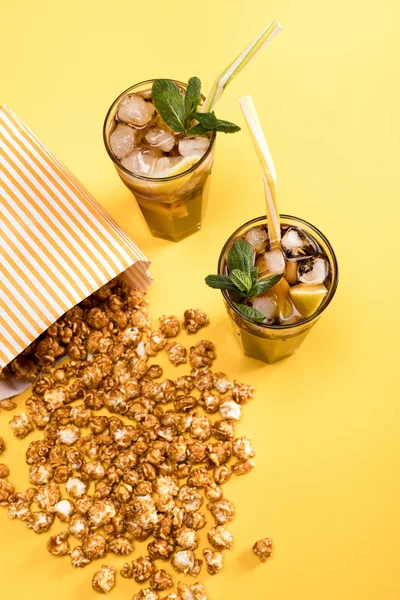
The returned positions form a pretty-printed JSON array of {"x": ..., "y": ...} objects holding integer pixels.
[
  {"x": 241, "y": 61},
  {"x": 268, "y": 168}
]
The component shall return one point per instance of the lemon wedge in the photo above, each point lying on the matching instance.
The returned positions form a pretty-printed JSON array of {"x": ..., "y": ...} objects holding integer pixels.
[
  {"x": 307, "y": 298},
  {"x": 183, "y": 165}
]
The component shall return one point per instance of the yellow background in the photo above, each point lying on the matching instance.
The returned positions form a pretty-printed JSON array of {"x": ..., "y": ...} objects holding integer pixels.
[{"x": 325, "y": 422}]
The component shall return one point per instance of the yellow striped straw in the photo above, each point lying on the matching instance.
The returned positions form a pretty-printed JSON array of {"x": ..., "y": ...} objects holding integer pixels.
[
  {"x": 241, "y": 61},
  {"x": 268, "y": 168}
]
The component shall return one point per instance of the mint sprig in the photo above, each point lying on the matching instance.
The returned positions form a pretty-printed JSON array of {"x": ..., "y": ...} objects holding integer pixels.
[
  {"x": 242, "y": 281},
  {"x": 180, "y": 112}
]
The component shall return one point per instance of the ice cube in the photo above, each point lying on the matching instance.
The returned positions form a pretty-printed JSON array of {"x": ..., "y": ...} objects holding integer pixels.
[
  {"x": 267, "y": 304},
  {"x": 122, "y": 140},
  {"x": 134, "y": 109},
  {"x": 193, "y": 146},
  {"x": 270, "y": 263},
  {"x": 258, "y": 238},
  {"x": 142, "y": 161},
  {"x": 313, "y": 270},
  {"x": 160, "y": 138},
  {"x": 297, "y": 244}
]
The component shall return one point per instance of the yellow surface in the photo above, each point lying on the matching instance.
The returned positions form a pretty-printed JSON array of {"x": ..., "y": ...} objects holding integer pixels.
[{"x": 325, "y": 422}]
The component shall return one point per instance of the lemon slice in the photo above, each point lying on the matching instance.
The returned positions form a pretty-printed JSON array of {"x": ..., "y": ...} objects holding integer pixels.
[
  {"x": 307, "y": 298},
  {"x": 183, "y": 165}
]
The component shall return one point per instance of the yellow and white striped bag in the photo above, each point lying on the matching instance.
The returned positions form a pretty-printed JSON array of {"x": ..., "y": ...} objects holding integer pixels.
[{"x": 57, "y": 244}]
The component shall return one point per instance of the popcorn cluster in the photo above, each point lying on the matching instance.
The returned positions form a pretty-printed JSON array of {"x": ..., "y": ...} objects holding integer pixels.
[{"x": 142, "y": 468}]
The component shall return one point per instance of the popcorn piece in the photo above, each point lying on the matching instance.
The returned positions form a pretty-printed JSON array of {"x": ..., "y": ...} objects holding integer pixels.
[
  {"x": 47, "y": 496},
  {"x": 169, "y": 326},
  {"x": 213, "y": 561},
  {"x": 241, "y": 448},
  {"x": 242, "y": 468},
  {"x": 120, "y": 545},
  {"x": 18, "y": 507},
  {"x": 160, "y": 580},
  {"x": 69, "y": 435},
  {"x": 202, "y": 354},
  {"x": 75, "y": 487},
  {"x": 78, "y": 558},
  {"x": 4, "y": 471},
  {"x": 228, "y": 409},
  {"x": 177, "y": 353},
  {"x": 64, "y": 509},
  {"x": 223, "y": 430},
  {"x": 192, "y": 592},
  {"x": 6, "y": 490},
  {"x": 55, "y": 398},
  {"x": 58, "y": 544},
  {"x": 209, "y": 402},
  {"x": 213, "y": 492},
  {"x": 160, "y": 549},
  {"x": 200, "y": 428},
  {"x": 78, "y": 526},
  {"x": 21, "y": 425},
  {"x": 242, "y": 393},
  {"x": 40, "y": 474},
  {"x": 40, "y": 521},
  {"x": 196, "y": 520},
  {"x": 146, "y": 594},
  {"x": 222, "y": 474},
  {"x": 223, "y": 511},
  {"x": 194, "y": 319},
  {"x": 190, "y": 498},
  {"x": 142, "y": 569},
  {"x": 126, "y": 572},
  {"x": 219, "y": 453},
  {"x": 186, "y": 538},
  {"x": 199, "y": 478},
  {"x": 220, "y": 538},
  {"x": 7, "y": 404},
  {"x": 94, "y": 546},
  {"x": 183, "y": 561},
  {"x": 263, "y": 549},
  {"x": 101, "y": 513},
  {"x": 104, "y": 580}
]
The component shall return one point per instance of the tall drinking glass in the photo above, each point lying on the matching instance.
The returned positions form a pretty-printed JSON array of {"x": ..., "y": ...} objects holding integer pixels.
[
  {"x": 270, "y": 343},
  {"x": 172, "y": 206}
]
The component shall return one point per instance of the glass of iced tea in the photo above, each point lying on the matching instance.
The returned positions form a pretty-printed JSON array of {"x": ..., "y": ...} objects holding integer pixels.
[
  {"x": 167, "y": 171},
  {"x": 292, "y": 306}
]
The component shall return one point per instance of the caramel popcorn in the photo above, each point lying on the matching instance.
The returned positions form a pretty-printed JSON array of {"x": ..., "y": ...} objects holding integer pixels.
[
  {"x": 104, "y": 580},
  {"x": 40, "y": 474},
  {"x": 6, "y": 490},
  {"x": 199, "y": 478},
  {"x": 242, "y": 393},
  {"x": 200, "y": 428},
  {"x": 195, "y": 591},
  {"x": 7, "y": 404},
  {"x": 222, "y": 474},
  {"x": 203, "y": 379},
  {"x": 190, "y": 498},
  {"x": 176, "y": 353},
  {"x": 78, "y": 558},
  {"x": 241, "y": 448},
  {"x": 78, "y": 526},
  {"x": 120, "y": 545},
  {"x": 219, "y": 453},
  {"x": 160, "y": 580},
  {"x": 146, "y": 594},
  {"x": 94, "y": 546},
  {"x": 186, "y": 538},
  {"x": 213, "y": 561},
  {"x": 229, "y": 409},
  {"x": 213, "y": 492},
  {"x": 47, "y": 496},
  {"x": 202, "y": 354},
  {"x": 223, "y": 511},
  {"x": 4, "y": 471},
  {"x": 64, "y": 509},
  {"x": 160, "y": 549},
  {"x": 21, "y": 425},
  {"x": 220, "y": 538},
  {"x": 58, "y": 544},
  {"x": 19, "y": 506},
  {"x": 39, "y": 521},
  {"x": 194, "y": 319},
  {"x": 75, "y": 487},
  {"x": 263, "y": 549},
  {"x": 242, "y": 468},
  {"x": 169, "y": 326},
  {"x": 223, "y": 430},
  {"x": 183, "y": 561},
  {"x": 195, "y": 520},
  {"x": 142, "y": 569}
]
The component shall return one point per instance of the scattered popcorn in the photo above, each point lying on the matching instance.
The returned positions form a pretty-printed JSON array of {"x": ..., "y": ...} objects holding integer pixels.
[
  {"x": 104, "y": 580},
  {"x": 263, "y": 549},
  {"x": 58, "y": 544},
  {"x": 193, "y": 320},
  {"x": 21, "y": 425}
]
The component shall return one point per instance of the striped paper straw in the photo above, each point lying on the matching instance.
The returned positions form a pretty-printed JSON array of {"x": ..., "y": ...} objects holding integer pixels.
[
  {"x": 241, "y": 61},
  {"x": 268, "y": 168}
]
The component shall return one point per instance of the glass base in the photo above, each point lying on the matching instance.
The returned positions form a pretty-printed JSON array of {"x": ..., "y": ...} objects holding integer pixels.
[
  {"x": 174, "y": 238},
  {"x": 265, "y": 349}
]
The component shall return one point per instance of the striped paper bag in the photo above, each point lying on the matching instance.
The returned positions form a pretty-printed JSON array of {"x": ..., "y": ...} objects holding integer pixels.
[{"x": 57, "y": 244}]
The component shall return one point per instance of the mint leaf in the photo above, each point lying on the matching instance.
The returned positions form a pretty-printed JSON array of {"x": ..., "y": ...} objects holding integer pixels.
[
  {"x": 208, "y": 120},
  {"x": 198, "y": 130},
  {"x": 254, "y": 273},
  {"x": 265, "y": 284},
  {"x": 192, "y": 97},
  {"x": 221, "y": 282},
  {"x": 250, "y": 313},
  {"x": 170, "y": 103},
  {"x": 226, "y": 126},
  {"x": 240, "y": 256},
  {"x": 242, "y": 280}
]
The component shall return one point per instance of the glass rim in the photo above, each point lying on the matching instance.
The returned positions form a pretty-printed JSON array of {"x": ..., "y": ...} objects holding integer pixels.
[
  {"x": 318, "y": 312},
  {"x": 142, "y": 177}
]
